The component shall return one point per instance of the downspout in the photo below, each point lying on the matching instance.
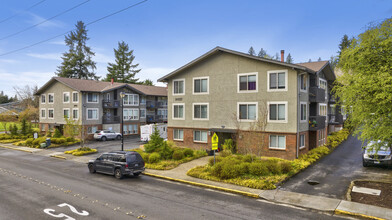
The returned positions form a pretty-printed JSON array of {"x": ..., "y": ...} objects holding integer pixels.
[{"x": 298, "y": 112}]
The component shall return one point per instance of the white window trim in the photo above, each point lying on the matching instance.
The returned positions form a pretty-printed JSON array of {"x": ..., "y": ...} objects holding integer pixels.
[
  {"x": 175, "y": 80},
  {"x": 48, "y": 113},
  {"x": 307, "y": 112},
  {"x": 326, "y": 89},
  {"x": 326, "y": 109},
  {"x": 69, "y": 97},
  {"x": 73, "y": 113},
  {"x": 307, "y": 83},
  {"x": 286, "y": 81},
  {"x": 277, "y": 148},
  {"x": 182, "y": 134},
  {"x": 92, "y": 93},
  {"x": 247, "y": 74},
  {"x": 132, "y": 110},
  {"x": 40, "y": 113},
  {"x": 45, "y": 98},
  {"x": 145, "y": 113},
  {"x": 208, "y": 111},
  {"x": 174, "y": 104},
  {"x": 302, "y": 147},
  {"x": 52, "y": 94},
  {"x": 163, "y": 109},
  {"x": 133, "y": 95},
  {"x": 193, "y": 85},
  {"x": 107, "y": 96},
  {"x": 73, "y": 96},
  {"x": 69, "y": 112},
  {"x": 92, "y": 119},
  {"x": 247, "y": 103},
  {"x": 200, "y": 136},
  {"x": 286, "y": 112}
]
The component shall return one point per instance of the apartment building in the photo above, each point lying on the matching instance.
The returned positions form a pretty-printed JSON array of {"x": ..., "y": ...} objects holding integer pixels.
[
  {"x": 97, "y": 105},
  {"x": 225, "y": 90}
]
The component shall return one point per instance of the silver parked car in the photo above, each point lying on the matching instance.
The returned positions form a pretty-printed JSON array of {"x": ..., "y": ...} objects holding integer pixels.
[
  {"x": 104, "y": 135},
  {"x": 382, "y": 157}
]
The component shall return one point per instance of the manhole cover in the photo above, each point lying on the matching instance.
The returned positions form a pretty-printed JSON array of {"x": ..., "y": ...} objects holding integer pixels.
[{"x": 313, "y": 182}]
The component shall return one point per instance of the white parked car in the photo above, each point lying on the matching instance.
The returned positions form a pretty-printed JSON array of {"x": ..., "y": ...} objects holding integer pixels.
[{"x": 103, "y": 135}]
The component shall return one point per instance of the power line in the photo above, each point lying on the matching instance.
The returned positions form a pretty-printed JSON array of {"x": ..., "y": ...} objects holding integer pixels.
[
  {"x": 92, "y": 22},
  {"x": 12, "y": 16},
  {"x": 46, "y": 20}
]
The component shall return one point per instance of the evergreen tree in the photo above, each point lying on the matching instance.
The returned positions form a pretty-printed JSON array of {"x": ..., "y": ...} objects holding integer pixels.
[
  {"x": 344, "y": 44},
  {"x": 333, "y": 61},
  {"x": 310, "y": 60},
  {"x": 123, "y": 70},
  {"x": 77, "y": 62},
  {"x": 289, "y": 59},
  {"x": 148, "y": 82},
  {"x": 262, "y": 53},
  {"x": 319, "y": 59},
  {"x": 277, "y": 57},
  {"x": 251, "y": 51}
]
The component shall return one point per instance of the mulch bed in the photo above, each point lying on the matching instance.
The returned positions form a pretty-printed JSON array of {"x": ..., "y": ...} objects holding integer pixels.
[{"x": 383, "y": 200}]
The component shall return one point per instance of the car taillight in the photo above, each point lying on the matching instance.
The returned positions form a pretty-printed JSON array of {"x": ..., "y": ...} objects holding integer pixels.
[
  {"x": 99, "y": 134},
  {"x": 126, "y": 165}
]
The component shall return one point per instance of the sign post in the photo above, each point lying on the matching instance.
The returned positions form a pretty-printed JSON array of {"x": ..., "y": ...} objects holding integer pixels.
[{"x": 214, "y": 141}]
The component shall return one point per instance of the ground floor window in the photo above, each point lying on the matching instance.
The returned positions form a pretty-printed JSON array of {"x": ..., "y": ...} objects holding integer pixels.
[
  {"x": 302, "y": 141},
  {"x": 321, "y": 135},
  {"x": 200, "y": 136},
  {"x": 130, "y": 129},
  {"x": 42, "y": 127},
  {"x": 178, "y": 134},
  {"x": 277, "y": 142},
  {"x": 92, "y": 129}
]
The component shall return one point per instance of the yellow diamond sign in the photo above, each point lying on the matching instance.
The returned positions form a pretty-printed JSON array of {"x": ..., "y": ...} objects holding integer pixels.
[{"x": 215, "y": 141}]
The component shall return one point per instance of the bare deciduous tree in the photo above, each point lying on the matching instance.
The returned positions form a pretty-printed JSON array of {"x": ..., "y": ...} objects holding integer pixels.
[{"x": 26, "y": 96}]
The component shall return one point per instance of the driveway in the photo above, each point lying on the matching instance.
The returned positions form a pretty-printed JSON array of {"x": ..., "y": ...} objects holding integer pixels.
[{"x": 335, "y": 172}]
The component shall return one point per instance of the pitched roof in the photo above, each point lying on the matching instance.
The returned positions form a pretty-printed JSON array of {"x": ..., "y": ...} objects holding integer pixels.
[
  {"x": 85, "y": 85},
  {"x": 221, "y": 49},
  {"x": 315, "y": 66}
]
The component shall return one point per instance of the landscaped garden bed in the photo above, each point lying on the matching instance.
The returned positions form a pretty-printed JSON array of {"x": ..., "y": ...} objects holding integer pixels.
[
  {"x": 261, "y": 172},
  {"x": 81, "y": 151}
]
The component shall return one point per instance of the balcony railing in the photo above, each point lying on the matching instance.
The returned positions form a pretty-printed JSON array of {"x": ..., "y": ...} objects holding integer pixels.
[
  {"x": 110, "y": 119},
  {"x": 156, "y": 104},
  {"x": 316, "y": 122},
  {"x": 335, "y": 118},
  {"x": 156, "y": 118},
  {"x": 111, "y": 103},
  {"x": 316, "y": 94}
]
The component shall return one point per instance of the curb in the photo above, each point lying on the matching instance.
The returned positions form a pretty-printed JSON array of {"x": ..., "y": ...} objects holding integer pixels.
[
  {"x": 204, "y": 185},
  {"x": 60, "y": 157},
  {"x": 341, "y": 212},
  {"x": 28, "y": 151}
]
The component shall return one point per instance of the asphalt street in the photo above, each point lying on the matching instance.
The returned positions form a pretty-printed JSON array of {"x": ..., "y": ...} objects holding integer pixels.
[
  {"x": 335, "y": 172},
  {"x": 38, "y": 187}
]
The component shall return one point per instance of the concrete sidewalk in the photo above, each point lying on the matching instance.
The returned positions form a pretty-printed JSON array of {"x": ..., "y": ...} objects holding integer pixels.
[{"x": 178, "y": 174}]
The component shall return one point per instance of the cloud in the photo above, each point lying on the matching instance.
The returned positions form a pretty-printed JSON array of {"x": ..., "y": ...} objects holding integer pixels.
[
  {"x": 46, "y": 56},
  {"x": 154, "y": 73},
  {"x": 21, "y": 79},
  {"x": 42, "y": 21},
  {"x": 57, "y": 42},
  {"x": 103, "y": 58},
  {"x": 8, "y": 61}
]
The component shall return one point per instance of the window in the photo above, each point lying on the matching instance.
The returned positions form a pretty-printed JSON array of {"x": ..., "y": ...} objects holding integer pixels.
[
  {"x": 277, "y": 142},
  {"x": 92, "y": 98},
  {"x": 65, "y": 97},
  {"x": 247, "y": 111},
  {"x": 323, "y": 85},
  {"x": 277, "y": 112},
  {"x": 301, "y": 141},
  {"x": 43, "y": 99},
  {"x": 51, "y": 98},
  {"x": 162, "y": 101},
  {"x": 130, "y": 129},
  {"x": 178, "y": 134},
  {"x": 131, "y": 99},
  {"x": 43, "y": 113},
  {"x": 304, "y": 81},
  {"x": 66, "y": 112},
  {"x": 200, "y": 85},
  {"x": 200, "y": 111},
  {"x": 50, "y": 113},
  {"x": 92, "y": 114},
  {"x": 321, "y": 134},
  {"x": 75, "y": 97},
  {"x": 277, "y": 80},
  {"x": 178, "y": 111},
  {"x": 75, "y": 113},
  {"x": 163, "y": 113},
  {"x": 179, "y": 87},
  {"x": 142, "y": 113},
  {"x": 131, "y": 114},
  {"x": 200, "y": 136},
  {"x": 92, "y": 129},
  {"x": 247, "y": 82},
  {"x": 142, "y": 100},
  {"x": 323, "y": 109},
  {"x": 108, "y": 96},
  {"x": 304, "y": 112}
]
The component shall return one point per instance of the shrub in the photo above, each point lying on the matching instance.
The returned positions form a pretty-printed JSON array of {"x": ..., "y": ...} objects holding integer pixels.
[
  {"x": 217, "y": 160},
  {"x": 5, "y": 136},
  {"x": 154, "y": 157},
  {"x": 81, "y": 151},
  {"x": 188, "y": 152},
  {"x": 230, "y": 146},
  {"x": 178, "y": 155},
  {"x": 200, "y": 153},
  {"x": 70, "y": 139},
  {"x": 61, "y": 140},
  {"x": 38, "y": 141},
  {"x": 258, "y": 168},
  {"x": 57, "y": 133},
  {"x": 286, "y": 167},
  {"x": 273, "y": 167},
  {"x": 165, "y": 151},
  {"x": 49, "y": 134},
  {"x": 13, "y": 129},
  {"x": 155, "y": 142},
  {"x": 225, "y": 153},
  {"x": 248, "y": 158},
  {"x": 145, "y": 156},
  {"x": 29, "y": 141},
  {"x": 24, "y": 126}
]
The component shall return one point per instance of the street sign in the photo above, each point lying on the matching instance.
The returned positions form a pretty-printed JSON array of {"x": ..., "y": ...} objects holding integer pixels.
[{"x": 215, "y": 141}]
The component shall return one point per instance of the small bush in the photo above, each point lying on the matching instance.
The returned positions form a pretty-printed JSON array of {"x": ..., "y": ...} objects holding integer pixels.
[
  {"x": 57, "y": 133},
  {"x": 145, "y": 156},
  {"x": 258, "y": 169},
  {"x": 286, "y": 167},
  {"x": 165, "y": 151},
  {"x": 225, "y": 153},
  {"x": 199, "y": 153},
  {"x": 217, "y": 160},
  {"x": 49, "y": 134},
  {"x": 248, "y": 158},
  {"x": 29, "y": 141},
  {"x": 178, "y": 155},
  {"x": 38, "y": 141},
  {"x": 70, "y": 139},
  {"x": 188, "y": 152},
  {"x": 154, "y": 157},
  {"x": 230, "y": 146},
  {"x": 273, "y": 167}
]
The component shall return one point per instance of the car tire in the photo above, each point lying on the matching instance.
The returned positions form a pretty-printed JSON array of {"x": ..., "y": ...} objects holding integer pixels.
[
  {"x": 364, "y": 164},
  {"x": 103, "y": 138},
  {"x": 118, "y": 173},
  {"x": 136, "y": 174},
  {"x": 118, "y": 137},
  {"x": 91, "y": 168}
]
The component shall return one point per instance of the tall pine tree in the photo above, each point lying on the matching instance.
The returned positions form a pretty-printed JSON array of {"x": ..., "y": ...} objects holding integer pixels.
[
  {"x": 262, "y": 53},
  {"x": 251, "y": 51},
  {"x": 123, "y": 70},
  {"x": 77, "y": 62},
  {"x": 289, "y": 59}
]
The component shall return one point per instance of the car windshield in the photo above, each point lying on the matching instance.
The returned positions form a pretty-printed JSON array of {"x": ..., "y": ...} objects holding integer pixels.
[
  {"x": 98, "y": 132},
  {"x": 372, "y": 146},
  {"x": 131, "y": 158}
]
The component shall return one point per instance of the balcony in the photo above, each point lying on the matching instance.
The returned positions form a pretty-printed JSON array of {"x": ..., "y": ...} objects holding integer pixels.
[
  {"x": 156, "y": 119},
  {"x": 111, "y": 119},
  {"x": 111, "y": 104},
  {"x": 316, "y": 94},
  {"x": 316, "y": 122},
  {"x": 335, "y": 119}
]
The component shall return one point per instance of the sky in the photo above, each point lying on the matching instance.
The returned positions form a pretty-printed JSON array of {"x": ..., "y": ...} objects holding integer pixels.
[{"x": 167, "y": 34}]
